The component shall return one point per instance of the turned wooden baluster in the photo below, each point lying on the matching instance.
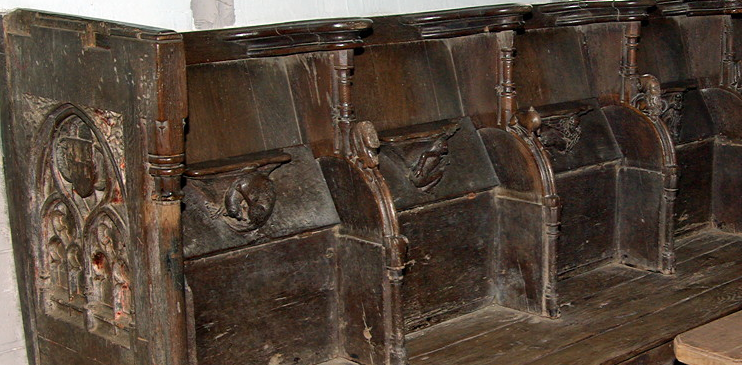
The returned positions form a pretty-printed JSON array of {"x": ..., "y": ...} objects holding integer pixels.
[
  {"x": 729, "y": 73},
  {"x": 507, "y": 87},
  {"x": 628, "y": 63}
]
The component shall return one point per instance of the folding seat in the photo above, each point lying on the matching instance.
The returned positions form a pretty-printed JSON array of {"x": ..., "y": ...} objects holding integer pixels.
[
  {"x": 611, "y": 160},
  {"x": 691, "y": 48}
]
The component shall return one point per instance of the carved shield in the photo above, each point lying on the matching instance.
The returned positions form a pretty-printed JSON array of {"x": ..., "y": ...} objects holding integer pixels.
[{"x": 78, "y": 165}]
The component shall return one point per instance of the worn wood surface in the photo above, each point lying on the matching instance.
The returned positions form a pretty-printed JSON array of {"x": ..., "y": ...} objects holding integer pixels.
[
  {"x": 718, "y": 342},
  {"x": 282, "y": 284},
  {"x": 609, "y": 315},
  {"x": 302, "y": 203},
  {"x": 660, "y": 355},
  {"x": 345, "y": 245},
  {"x": 430, "y": 293},
  {"x": 97, "y": 92}
]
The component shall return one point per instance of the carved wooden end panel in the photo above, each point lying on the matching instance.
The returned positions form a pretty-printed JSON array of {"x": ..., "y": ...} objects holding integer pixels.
[
  {"x": 82, "y": 259},
  {"x": 94, "y": 147}
]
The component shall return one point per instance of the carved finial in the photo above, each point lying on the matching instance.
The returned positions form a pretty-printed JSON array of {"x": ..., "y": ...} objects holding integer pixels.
[
  {"x": 364, "y": 144},
  {"x": 531, "y": 120},
  {"x": 649, "y": 97}
]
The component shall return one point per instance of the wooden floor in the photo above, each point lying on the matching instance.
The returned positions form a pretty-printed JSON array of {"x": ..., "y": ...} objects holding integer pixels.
[
  {"x": 339, "y": 362},
  {"x": 610, "y": 315}
]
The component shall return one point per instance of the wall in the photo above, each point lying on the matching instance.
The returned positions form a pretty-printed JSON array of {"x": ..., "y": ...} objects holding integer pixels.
[
  {"x": 12, "y": 346},
  {"x": 181, "y": 15}
]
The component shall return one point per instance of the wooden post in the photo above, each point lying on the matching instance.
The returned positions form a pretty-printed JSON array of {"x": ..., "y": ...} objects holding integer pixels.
[
  {"x": 165, "y": 249},
  {"x": 728, "y": 71},
  {"x": 507, "y": 86},
  {"x": 628, "y": 63},
  {"x": 344, "y": 114}
]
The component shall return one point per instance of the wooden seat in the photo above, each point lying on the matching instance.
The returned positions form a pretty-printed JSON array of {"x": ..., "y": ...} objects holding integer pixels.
[{"x": 715, "y": 343}]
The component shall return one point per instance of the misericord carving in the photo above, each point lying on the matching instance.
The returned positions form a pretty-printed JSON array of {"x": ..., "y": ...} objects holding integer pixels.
[
  {"x": 422, "y": 152},
  {"x": 428, "y": 169},
  {"x": 238, "y": 191},
  {"x": 249, "y": 201},
  {"x": 560, "y": 132}
]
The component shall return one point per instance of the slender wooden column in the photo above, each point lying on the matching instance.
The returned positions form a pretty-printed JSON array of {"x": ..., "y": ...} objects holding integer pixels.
[
  {"x": 507, "y": 86},
  {"x": 628, "y": 63}
]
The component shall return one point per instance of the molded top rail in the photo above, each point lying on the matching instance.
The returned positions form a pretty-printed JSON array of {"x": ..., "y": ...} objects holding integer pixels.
[
  {"x": 20, "y": 21},
  {"x": 461, "y": 22},
  {"x": 275, "y": 39},
  {"x": 586, "y": 12}
]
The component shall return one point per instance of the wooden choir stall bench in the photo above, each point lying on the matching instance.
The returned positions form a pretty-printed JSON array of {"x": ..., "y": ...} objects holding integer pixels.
[{"x": 506, "y": 184}]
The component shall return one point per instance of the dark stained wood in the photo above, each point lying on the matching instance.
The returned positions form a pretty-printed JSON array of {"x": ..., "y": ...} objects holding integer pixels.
[
  {"x": 461, "y": 22},
  {"x": 693, "y": 207},
  {"x": 360, "y": 271},
  {"x": 81, "y": 75},
  {"x": 274, "y": 40},
  {"x": 229, "y": 292},
  {"x": 436, "y": 188},
  {"x": 431, "y": 295},
  {"x": 611, "y": 323},
  {"x": 520, "y": 257},
  {"x": 704, "y": 53},
  {"x": 590, "y": 201},
  {"x": 230, "y": 113},
  {"x": 302, "y": 203},
  {"x": 660, "y": 355},
  {"x": 464, "y": 167},
  {"x": 540, "y": 51},
  {"x": 712, "y": 7},
  {"x": 603, "y": 54},
  {"x": 726, "y": 181},
  {"x": 476, "y": 88},
  {"x": 237, "y": 164},
  {"x": 400, "y": 85},
  {"x": 587, "y": 12}
]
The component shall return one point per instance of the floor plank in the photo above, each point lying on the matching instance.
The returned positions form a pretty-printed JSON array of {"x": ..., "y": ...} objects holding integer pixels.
[
  {"x": 612, "y": 299},
  {"x": 339, "y": 362},
  {"x": 645, "y": 333}
]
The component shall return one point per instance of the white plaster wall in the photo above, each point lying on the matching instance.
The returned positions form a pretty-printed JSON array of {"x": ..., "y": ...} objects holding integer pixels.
[
  {"x": 12, "y": 345},
  {"x": 250, "y": 12},
  {"x": 177, "y": 15},
  {"x": 170, "y": 14}
]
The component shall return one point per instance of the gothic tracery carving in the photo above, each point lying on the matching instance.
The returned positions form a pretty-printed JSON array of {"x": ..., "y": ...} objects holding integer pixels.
[{"x": 82, "y": 259}]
